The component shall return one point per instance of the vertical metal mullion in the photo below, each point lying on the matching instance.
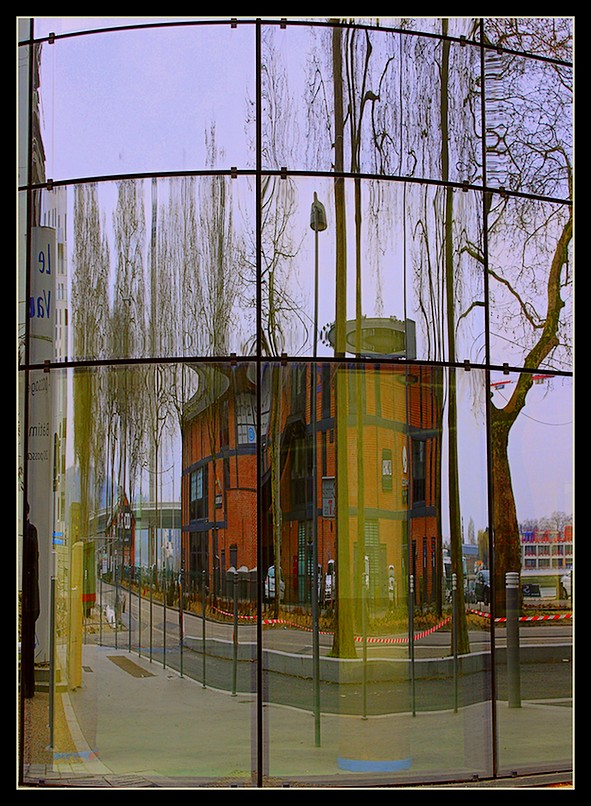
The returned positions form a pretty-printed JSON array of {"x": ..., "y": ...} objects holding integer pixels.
[
  {"x": 25, "y": 426},
  {"x": 259, "y": 366},
  {"x": 487, "y": 376}
]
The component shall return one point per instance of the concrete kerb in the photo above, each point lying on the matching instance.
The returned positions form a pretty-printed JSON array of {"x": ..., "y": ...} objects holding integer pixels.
[{"x": 351, "y": 670}]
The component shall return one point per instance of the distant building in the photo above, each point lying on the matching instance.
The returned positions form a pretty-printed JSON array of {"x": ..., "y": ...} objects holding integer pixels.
[{"x": 548, "y": 548}]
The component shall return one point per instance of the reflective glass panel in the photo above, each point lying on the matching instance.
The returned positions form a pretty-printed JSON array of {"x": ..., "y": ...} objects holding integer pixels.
[
  {"x": 372, "y": 635},
  {"x": 370, "y": 255},
  {"x": 108, "y": 109},
  {"x": 363, "y": 100},
  {"x": 295, "y": 303},
  {"x": 44, "y": 26},
  {"x": 528, "y": 105},
  {"x": 142, "y": 529},
  {"x": 534, "y": 561},
  {"x": 145, "y": 268},
  {"x": 542, "y": 36},
  {"x": 530, "y": 283}
]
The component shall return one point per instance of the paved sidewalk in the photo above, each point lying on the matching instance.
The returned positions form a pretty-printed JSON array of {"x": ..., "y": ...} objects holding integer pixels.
[{"x": 135, "y": 723}]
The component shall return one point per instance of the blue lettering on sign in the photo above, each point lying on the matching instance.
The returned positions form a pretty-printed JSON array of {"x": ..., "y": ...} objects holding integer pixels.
[
  {"x": 39, "y": 308},
  {"x": 43, "y": 268}
]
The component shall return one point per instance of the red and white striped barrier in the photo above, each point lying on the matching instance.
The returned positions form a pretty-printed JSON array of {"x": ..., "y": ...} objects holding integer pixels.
[
  {"x": 554, "y": 617},
  {"x": 270, "y": 622},
  {"x": 404, "y": 640},
  {"x": 373, "y": 640}
]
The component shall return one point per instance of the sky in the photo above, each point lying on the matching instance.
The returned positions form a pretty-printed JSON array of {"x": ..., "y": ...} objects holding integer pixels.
[{"x": 542, "y": 451}]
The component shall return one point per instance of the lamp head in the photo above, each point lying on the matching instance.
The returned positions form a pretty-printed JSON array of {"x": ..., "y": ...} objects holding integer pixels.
[{"x": 318, "y": 216}]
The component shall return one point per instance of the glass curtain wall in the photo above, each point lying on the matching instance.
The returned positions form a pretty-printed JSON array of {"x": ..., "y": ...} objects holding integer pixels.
[{"x": 295, "y": 401}]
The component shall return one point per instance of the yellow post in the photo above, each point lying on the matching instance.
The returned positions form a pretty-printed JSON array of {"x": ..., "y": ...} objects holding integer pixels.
[{"x": 76, "y": 618}]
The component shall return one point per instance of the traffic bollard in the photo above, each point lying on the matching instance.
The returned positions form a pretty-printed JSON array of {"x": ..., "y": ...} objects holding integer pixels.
[{"x": 513, "y": 667}]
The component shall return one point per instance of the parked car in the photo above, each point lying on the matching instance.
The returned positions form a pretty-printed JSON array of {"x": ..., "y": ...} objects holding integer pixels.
[
  {"x": 482, "y": 587},
  {"x": 270, "y": 585}
]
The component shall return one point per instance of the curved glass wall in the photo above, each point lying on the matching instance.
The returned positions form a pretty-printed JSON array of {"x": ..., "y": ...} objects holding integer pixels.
[
  {"x": 534, "y": 659},
  {"x": 138, "y": 268},
  {"x": 295, "y": 342}
]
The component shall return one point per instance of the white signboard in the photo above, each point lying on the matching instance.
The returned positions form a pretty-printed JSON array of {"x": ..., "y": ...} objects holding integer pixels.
[{"x": 40, "y": 428}]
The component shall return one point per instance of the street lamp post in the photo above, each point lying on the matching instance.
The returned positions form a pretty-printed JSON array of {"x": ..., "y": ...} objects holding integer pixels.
[{"x": 318, "y": 224}]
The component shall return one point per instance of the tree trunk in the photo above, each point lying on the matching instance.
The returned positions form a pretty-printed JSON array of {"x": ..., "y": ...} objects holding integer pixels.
[
  {"x": 507, "y": 554},
  {"x": 455, "y": 521},
  {"x": 275, "y": 430},
  {"x": 507, "y": 549},
  {"x": 344, "y": 642}
]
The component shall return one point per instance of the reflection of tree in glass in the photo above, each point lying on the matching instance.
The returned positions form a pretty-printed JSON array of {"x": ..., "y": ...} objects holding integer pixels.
[
  {"x": 130, "y": 332},
  {"x": 215, "y": 261},
  {"x": 439, "y": 221},
  {"x": 283, "y": 325},
  {"x": 529, "y": 242},
  {"x": 218, "y": 291},
  {"x": 90, "y": 323},
  {"x": 178, "y": 317},
  {"x": 179, "y": 281}
]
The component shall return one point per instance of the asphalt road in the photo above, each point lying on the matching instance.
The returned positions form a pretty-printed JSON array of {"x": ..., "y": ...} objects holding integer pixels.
[{"x": 543, "y": 680}]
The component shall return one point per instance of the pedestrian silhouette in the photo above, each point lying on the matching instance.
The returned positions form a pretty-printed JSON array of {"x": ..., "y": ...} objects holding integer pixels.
[{"x": 30, "y": 607}]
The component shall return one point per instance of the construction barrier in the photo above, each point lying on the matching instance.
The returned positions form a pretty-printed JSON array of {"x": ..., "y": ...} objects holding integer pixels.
[
  {"x": 359, "y": 638},
  {"x": 553, "y": 617}
]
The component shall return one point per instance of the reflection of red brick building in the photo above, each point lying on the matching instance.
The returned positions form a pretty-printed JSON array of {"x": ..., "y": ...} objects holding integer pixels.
[
  {"x": 219, "y": 482},
  {"x": 397, "y": 429},
  {"x": 425, "y": 394}
]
